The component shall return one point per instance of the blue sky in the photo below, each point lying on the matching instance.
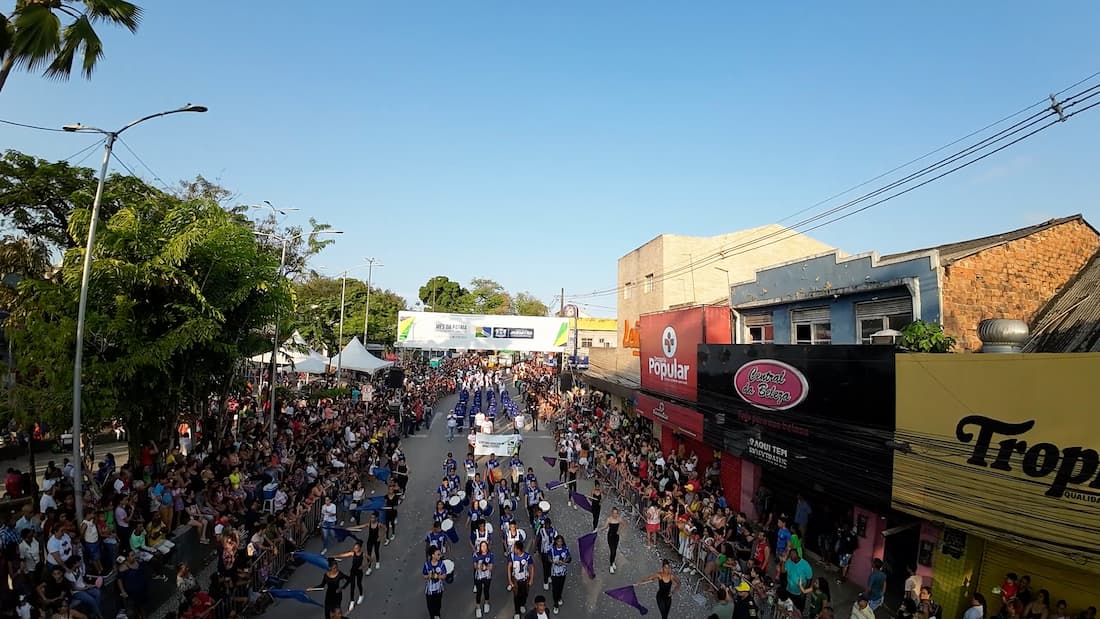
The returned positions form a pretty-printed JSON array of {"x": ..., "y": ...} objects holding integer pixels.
[{"x": 535, "y": 143}]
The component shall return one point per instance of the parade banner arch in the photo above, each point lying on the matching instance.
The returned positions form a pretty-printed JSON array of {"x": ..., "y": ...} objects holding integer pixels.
[{"x": 436, "y": 330}]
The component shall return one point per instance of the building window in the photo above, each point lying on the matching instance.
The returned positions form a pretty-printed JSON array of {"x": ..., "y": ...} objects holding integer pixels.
[
  {"x": 626, "y": 290},
  {"x": 647, "y": 284},
  {"x": 812, "y": 326},
  {"x": 586, "y": 342},
  {"x": 758, "y": 328},
  {"x": 876, "y": 316}
]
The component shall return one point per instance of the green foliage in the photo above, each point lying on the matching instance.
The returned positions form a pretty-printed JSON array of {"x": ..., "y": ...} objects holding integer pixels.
[
  {"x": 180, "y": 293},
  {"x": 317, "y": 312},
  {"x": 921, "y": 336},
  {"x": 33, "y": 37},
  {"x": 489, "y": 297},
  {"x": 527, "y": 304},
  {"x": 440, "y": 294}
]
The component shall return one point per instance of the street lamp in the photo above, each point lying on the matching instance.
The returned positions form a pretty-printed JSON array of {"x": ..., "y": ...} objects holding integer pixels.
[
  {"x": 285, "y": 240},
  {"x": 85, "y": 276},
  {"x": 371, "y": 263}
]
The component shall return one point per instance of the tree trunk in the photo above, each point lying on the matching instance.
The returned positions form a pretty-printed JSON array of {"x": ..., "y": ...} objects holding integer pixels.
[{"x": 5, "y": 69}]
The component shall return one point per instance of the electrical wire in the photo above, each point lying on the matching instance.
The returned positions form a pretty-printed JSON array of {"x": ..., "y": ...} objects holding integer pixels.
[
  {"x": 26, "y": 126},
  {"x": 969, "y": 151},
  {"x": 146, "y": 166},
  {"x": 87, "y": 150}
]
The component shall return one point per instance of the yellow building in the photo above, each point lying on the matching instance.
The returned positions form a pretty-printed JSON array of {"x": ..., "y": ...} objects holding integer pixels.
[{"x": 998, "y": 454}]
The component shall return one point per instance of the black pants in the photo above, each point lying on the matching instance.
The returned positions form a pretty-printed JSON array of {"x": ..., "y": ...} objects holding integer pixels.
[
  {"x": 482, "y": 589},
  {"x": 664, "y": 604},
  {"x": 545, "y": 566},
  {"x": 519, "y": 596},
  {"x": 557, "y": 585},
  {"x": 356, "y": 578},
  {"x": 613, "y": 545},
  {"x": 531, "y": 513},
  {"x": 391, "y": 524},
  {"x": 596, "y": 516},
  {"x": 435, "y": 603},
  {"x": 373, "y": 549},
  {"x": 563, "y": 467},
  {"x": 332, "y": 604}
]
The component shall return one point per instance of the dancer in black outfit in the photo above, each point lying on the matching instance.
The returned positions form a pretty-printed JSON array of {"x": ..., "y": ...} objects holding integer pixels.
[
  {"x": 391, "y": 514},
  {"x": 595, "y": 499},
  {"x": 374, "y": 545},
  {"x": 331, "y": 583},
  {"x": 355, "y": 574},
  {"x": 667, "y": 584},
  {"x": 614, "y": 521}
]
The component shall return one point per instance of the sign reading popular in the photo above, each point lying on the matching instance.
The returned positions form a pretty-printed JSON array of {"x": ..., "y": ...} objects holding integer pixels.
[{"x": 668, "y": 350}]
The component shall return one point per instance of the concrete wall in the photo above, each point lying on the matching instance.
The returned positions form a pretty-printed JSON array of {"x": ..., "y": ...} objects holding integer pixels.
[{"x": 1013, "y": 280}]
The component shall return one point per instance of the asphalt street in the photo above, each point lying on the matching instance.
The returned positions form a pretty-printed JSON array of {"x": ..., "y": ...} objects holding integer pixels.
[{"x": 397, "y": 589}]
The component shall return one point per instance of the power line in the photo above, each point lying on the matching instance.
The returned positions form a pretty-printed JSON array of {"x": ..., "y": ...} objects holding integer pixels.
[
  {"x": 146, "y": 166},
  {"x": 86, "y": 151},
  {"x": 123, "y": 164},
  {"x": 1055, "y": 108},
  {"x": 26, "y": 126}
]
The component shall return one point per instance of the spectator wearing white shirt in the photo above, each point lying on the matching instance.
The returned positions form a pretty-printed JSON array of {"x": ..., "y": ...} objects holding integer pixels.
[
  {"x": 58, "y": 549},
  {"x": 30, "y": 552},
  {"x": 47, "y": 501}
]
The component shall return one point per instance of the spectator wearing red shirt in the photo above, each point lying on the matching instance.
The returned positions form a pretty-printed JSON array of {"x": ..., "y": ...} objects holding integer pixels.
[{"x": 13, "y": 484}]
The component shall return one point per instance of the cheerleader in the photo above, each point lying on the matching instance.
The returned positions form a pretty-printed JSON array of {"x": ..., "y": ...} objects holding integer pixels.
[
  {"x": 434, "y": 573},
  {"x": 483, "y": 577},
  {"x": 560, "y": 560}
]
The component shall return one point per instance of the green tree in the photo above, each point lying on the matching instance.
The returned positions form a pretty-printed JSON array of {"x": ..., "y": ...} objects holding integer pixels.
[
  {"x": 180, "y": 294},
  {"x": 317, "y": 312},
  {"x": 440, "y": 294},
  {"x": 527, "y": 304},
  {"x": 921, "y": 336},
  {"x": 489, "y": 297},
  {"x": 32, "y": 36}
]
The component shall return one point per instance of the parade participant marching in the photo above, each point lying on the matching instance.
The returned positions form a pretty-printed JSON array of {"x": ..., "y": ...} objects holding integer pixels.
[
  {"x": 521, "y": 573},
  {"x": 374, "y": 548},
  {"x": 483, "y": 533},
  {"x": 449, "y": 464},
  {"x": 546, "y": 535},
  {"x": 434, "y": 573},
  {"x": 355, "y": 574},
  {"x": 512, "y": 535},
  {"x": 516, "y": 466},
  {"x": 390, "y": 508},
  {"x": 506, "y": 516},
  {"x": 483, "y": 577},
  {"x": 560, "y": 560},
  {"x": 479, "y": 490},
  {"x": 476, "y": 516},
  {"x": 614, "y": 522},
  {"x": 471, "y": 465},
  {"x": 331, "y": 582},
  {"x": 504, "y": 493},
  {"x": 571, "y": 481},
  {"x": 436, "y": 540},
  {"x": 492, "y": 469},
  {"x": 667, "y": 584},
  {"x": 441, "y": 513},
  {"x": 534, "y": 496},
  {"x": 595, "y": 499}
]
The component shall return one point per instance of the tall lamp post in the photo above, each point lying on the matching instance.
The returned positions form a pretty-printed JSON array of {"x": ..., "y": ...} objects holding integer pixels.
[
  {"x": 371, "y": 263},
  {"x": 85, "y": 276},
  {"x": 343, "y": 295},
  {"x": 284, "y": 240}
]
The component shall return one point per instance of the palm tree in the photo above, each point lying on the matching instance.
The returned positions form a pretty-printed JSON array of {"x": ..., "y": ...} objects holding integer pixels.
[{"x": 32, "y": 37}]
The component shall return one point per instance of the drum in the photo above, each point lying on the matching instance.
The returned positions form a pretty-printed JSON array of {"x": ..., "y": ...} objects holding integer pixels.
[
  {"x": 486, "y": 507},
  {"x": 489, "y": 528},
  {"x": 544, "y": 506},
  {"x": 450, "y": 567},
  {"x": 462, "y": 499},
  {"x": 454, "y": 505},
  {"x": 507, "y": 503},
  {"x": 448, "y": 527}
]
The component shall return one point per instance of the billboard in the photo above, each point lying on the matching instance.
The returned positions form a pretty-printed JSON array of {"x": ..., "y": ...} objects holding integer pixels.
[
  {"x": 1003, "y": 447},
  {"x": 680, "y": 418},
  {"x": 481, "y": 332},
  {"x": 669, "y": 343},
  {"x": 805, "y": 412}
]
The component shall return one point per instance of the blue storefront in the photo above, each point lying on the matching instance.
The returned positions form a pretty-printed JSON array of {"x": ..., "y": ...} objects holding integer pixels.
[{"x": 835, "y": 299}]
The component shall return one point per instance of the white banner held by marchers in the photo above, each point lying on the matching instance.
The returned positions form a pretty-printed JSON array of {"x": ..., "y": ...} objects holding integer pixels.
[{"x": 503, "y": 445}]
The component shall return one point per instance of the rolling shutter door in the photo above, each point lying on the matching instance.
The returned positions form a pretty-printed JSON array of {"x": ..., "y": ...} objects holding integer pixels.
[
  {"x": 885, "y": 307},
  {"x": 815, "y": 314},
  {"x": 757, "y": 320}
]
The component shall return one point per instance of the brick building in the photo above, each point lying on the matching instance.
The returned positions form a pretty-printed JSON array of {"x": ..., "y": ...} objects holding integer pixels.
[{"x": 835, "y": 299}]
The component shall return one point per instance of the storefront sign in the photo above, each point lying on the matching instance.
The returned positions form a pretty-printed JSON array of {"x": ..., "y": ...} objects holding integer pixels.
[
  {"x": 993, "y": 444},
  {"x": 770, "y": 384},
  {"x": 679, "y": 418},
  {"x": 668, "y": 350},
  {"x": 632, "y": 335},
  {"x": 808, "y": 412}
]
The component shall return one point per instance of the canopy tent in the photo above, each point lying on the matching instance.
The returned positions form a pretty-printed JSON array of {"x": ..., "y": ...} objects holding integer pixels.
[
  {"x": 355, "y": 357},
  {"x": 316, "y": 363},
  {"x": 294, "y": 351}
]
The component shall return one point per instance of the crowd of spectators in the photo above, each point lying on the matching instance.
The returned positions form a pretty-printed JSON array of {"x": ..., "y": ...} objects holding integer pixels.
[{"x": 244, "y": 495}]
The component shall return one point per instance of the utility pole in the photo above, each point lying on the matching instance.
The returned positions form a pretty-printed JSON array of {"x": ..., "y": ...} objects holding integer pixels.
[
  {"x": 366, "y": 317},
  {"x": 561, "y": 359}
]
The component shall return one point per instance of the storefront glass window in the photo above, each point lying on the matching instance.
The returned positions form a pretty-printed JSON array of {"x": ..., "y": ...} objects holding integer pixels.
[{"x": 813, "y": 333}]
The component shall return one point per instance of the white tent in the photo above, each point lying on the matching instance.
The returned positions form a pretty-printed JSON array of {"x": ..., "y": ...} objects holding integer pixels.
[
  {"x": 294, "y": 350},
  {"x": 355, "y": 357},
  {"x": 313, "y": 364}
]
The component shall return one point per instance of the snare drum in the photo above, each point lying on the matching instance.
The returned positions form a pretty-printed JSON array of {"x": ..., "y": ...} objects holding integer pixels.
[
  {"x": 462, "y": 499},
  {"x": 544, "y": 506},
  {"x": 454, "y": 504},
  {"x": 486, "y": 507},
  {"x": 448, "y": 527},
  {"x": 450, "y": 567}
]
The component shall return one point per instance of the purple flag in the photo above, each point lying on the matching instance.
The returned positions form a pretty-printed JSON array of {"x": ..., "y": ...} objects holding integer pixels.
[
  {"x": 550, "y": 460},
  {"x": 297, "y": 595},
  {"x": 313, "y": 559},
  {"x": 554, "y": 485},
  {"x": 581, "y": 501},
  {"x": 586, "y": 546},
  {"x": 626, "y": 596}
]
